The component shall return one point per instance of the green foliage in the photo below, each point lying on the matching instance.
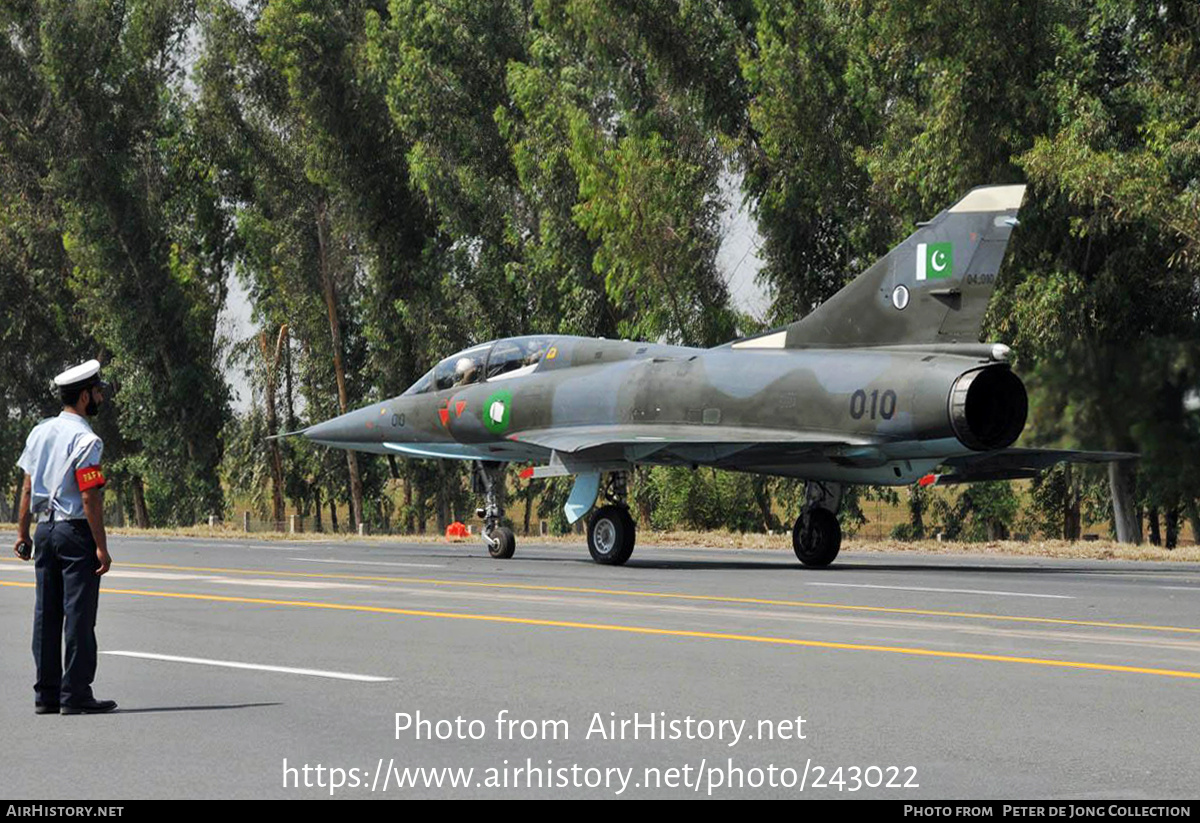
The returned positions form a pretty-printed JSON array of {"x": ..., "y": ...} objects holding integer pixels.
[
  {"x": 919, "y": 500},
  {"x": 1050, "y": 501},
  {"x": 108, "y": 157},
  {"x": 980, "y": 511},
  {"x": 554, "y": 494},
  {"x": 449, "y": 172},
  {"x": 702, "y": 499},
  {"x": 41, "y": 331},
  {"x": 1066, "y": 499},
  {"x": 802, "y": 173},
  {"x": 868, "y": 117}
]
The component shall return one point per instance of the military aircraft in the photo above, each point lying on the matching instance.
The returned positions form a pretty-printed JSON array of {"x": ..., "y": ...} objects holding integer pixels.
[{"x": 884, "y": 383}]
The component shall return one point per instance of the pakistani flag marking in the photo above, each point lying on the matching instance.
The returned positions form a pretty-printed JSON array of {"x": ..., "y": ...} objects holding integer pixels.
[
  {"x": 935, "y": 261},
  {"x": 497, "y": 411}
]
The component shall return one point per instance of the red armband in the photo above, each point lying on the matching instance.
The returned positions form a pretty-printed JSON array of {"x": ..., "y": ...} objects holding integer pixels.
[{"x": 89, "y": 478}]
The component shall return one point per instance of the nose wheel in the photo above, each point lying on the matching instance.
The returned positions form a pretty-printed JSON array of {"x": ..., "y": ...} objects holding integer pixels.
[{"x": 500, "y": 541}]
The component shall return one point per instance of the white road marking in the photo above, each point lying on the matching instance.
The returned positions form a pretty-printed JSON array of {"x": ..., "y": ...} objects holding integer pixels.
[
  {"x": 271, "y": 548},
  {"x": 1180, "y": 588},
  {"x": 290, "y": 584},
  {"x": 267, "y": 582},
  {"x": 945, "y": 591},
  {"x": 233, "y": 544},
  {"x": 231, "y": 664},
  {"x": 370, "y": 563}
]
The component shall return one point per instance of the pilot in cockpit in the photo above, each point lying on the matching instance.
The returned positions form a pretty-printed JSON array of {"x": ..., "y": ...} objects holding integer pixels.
[{"x": 466, "y": 371}]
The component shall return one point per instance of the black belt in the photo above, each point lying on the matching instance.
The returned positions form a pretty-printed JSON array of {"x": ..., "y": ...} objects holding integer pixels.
[{"x": 53, "y": 518}]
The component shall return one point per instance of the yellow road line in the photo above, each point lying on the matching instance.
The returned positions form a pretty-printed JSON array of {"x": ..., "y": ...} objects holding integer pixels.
[
  {"x": 710, "y": 598},
  {"x": 645, "y": 630}
]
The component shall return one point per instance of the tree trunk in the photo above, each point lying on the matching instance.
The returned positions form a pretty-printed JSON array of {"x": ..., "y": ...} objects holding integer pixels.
[
  {"x": 318, "y": 525},
  {"x": 385, "y": 516},
  {"x": 1072, "y": 514},
  {"x": 16, "y": 506},
  {"x": 762, "y": 498},
  {"x": 421, "y": 510},
  {"x": 270, "y": 384},
  {"x": 408, "y": 509},
  {"x": 1172, "y": 524},
  {"x": 645, "y": 510},
  {"x": 442, "y": 499},
  {"x": 338, "y": 368},
  {"x": 529, "y": 493},
  {"x": 1152, "y": 519},
  {"x": 1194, "y": 518},
  {"x": 140, "y": 515},
  {"x": 333, "y": 524},
  {"x": 290, "y": 396},
  {"x": 1121, "y": 480},
  {"x": 1073, "y": 527},
  {"x": 917, "y": 503},
  {"x": 118, "y": 489},
  {"x": 443, "y": 510}
]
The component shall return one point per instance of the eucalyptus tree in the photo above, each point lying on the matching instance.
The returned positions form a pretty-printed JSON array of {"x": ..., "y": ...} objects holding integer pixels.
[{"x": 116, "y": 162}]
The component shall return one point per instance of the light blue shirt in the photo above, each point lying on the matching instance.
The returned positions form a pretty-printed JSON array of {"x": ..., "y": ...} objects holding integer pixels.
[{"x": 53, "y": 451}]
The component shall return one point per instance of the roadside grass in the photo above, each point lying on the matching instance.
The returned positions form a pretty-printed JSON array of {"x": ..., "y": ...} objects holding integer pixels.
[{"x": 1084, "y": 549}]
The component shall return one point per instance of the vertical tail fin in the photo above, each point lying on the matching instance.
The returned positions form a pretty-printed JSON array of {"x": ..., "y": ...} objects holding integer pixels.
[{"x": 932, "y": 288}]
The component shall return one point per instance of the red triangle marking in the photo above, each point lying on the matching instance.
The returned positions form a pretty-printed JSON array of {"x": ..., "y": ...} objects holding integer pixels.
[
  {"x": 458, "y": 408},
  {"x": 445, "y": 415}
]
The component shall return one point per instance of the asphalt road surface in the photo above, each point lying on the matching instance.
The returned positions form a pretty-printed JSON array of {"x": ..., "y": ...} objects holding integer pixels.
[{"x": 262, "y": 669}]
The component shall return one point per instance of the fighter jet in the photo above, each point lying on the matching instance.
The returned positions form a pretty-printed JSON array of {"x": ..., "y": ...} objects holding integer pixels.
[{"x": 885, "y": 383}]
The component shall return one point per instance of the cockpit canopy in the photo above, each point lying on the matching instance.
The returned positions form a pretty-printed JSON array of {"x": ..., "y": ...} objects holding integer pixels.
[{"x": 500, "y": 360}]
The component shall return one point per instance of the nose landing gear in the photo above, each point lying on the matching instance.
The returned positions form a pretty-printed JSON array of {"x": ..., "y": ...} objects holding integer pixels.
[{"x": 500, "y": 540}]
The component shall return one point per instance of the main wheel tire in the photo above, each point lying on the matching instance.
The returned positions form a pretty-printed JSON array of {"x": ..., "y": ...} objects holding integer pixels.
[
  {"x": 611, "y": 535},
  {"x": 503, "y": 543},
  {"x": 817, "y": 537}
]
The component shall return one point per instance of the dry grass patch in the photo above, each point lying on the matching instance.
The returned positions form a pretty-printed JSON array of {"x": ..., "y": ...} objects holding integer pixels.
[{"x": 1086, "y": 550}]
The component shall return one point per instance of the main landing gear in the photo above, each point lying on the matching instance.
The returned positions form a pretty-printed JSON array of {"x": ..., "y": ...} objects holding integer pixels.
[
  {"x": 611, "y": 530},
  {"x": 500, "y": 540},
  {"x": 817, "y": 536}
]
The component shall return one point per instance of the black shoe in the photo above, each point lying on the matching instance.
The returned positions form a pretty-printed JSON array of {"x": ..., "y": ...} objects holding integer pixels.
[
  {"x": 45, "y": 708},
  {"x": 90, "y": 707}
]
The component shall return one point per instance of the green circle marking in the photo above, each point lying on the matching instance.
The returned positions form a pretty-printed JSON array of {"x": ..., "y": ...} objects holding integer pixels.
[{"x": 497, "y": 411}]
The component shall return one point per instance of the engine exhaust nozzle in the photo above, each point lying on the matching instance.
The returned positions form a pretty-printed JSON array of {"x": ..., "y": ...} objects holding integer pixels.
[{"x": 988, "y": 408}]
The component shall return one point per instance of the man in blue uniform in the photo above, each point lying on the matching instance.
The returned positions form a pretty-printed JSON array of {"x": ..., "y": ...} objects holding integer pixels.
[{"x": 64, "y": 489}]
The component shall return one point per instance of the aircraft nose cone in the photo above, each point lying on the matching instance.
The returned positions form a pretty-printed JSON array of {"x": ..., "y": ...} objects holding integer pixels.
[{"x": 347, "y": 428}]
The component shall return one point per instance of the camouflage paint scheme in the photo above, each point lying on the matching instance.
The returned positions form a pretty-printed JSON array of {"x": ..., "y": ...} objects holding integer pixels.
[{"x": 881, "y": 384}]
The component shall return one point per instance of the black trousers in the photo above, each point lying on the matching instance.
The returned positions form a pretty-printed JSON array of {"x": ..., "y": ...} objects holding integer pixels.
[{"x": 68, "y": 592}]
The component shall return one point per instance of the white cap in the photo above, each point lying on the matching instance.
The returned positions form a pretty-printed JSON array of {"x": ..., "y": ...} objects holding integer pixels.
[{"x": 78, "y": 374}]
